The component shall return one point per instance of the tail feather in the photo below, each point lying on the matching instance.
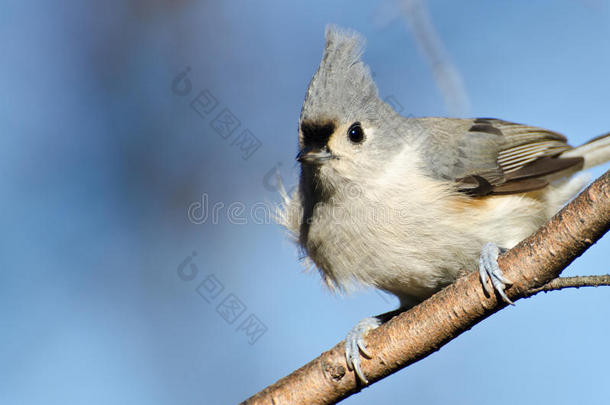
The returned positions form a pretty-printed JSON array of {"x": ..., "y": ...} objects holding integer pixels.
[{"x": 595, "y": 152}]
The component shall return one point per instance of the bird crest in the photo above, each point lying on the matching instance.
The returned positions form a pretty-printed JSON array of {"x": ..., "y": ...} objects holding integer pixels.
[{"x": 342, "y": 87}]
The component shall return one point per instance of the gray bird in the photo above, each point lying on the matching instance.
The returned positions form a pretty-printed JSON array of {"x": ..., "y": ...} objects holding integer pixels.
[{"x": 407, "y": 205}]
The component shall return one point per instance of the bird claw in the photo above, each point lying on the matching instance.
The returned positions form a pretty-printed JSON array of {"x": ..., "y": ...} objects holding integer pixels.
[
  {"x": 354, "y": 344},
  {"x": 489, "y": 269}
]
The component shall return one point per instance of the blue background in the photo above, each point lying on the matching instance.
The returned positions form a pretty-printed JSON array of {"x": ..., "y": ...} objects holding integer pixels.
[{"x": 100, "y": 161}]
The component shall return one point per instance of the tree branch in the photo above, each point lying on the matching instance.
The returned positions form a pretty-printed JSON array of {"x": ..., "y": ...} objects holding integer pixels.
[
  {"x": 533, "y": 265},
  {"x": 573, "y": 282}
]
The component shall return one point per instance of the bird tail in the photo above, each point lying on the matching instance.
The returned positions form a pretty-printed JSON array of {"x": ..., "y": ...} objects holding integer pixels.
[
  {"x": 595, "y": 152},
  {"x": 563, "y": 188}
]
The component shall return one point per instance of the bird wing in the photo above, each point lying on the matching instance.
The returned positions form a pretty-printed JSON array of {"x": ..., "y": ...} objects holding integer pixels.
[{"x": 489, "y": 156}]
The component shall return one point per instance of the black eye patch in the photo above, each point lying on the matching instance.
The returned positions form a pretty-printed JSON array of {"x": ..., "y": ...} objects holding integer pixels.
[{"x": 316, "y": 134}]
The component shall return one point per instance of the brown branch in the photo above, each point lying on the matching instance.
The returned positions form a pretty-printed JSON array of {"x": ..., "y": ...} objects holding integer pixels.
[
  {"x": 425, "y": 328},
  {"x": 572, "y": 282}
]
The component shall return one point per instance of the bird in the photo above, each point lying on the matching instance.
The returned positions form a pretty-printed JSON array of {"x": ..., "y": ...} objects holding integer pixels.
[{"x": 407, "y": 205}]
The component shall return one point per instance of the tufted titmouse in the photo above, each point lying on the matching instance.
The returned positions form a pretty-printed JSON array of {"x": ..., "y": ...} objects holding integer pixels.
[{"x": 407, "y": 205}]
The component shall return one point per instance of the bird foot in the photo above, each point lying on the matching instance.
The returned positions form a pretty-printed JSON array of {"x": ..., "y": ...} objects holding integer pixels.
[
  {"x": 489, "y": 269},
  {"x": 354, "y": 344}
]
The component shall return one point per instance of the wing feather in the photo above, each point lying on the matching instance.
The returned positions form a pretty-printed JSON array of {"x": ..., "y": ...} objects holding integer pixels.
[
  {"x": 491, "y": 156},
  {"x": 527, "y": 155}
]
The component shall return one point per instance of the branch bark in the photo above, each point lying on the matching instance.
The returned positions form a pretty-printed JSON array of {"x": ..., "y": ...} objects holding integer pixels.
[{"x": 533, "y": 265}]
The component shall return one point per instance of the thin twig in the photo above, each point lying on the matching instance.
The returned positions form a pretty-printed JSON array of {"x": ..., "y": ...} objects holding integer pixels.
[
  {"x": 573, "y": 282},
  {"x": 446, "y": 74}
]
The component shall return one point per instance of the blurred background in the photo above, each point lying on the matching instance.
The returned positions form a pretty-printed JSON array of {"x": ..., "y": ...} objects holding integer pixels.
[{"x": 140, "y": 144}]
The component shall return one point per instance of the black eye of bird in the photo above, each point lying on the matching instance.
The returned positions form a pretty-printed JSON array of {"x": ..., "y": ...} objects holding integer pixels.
[{"x": 355, "y": 133}]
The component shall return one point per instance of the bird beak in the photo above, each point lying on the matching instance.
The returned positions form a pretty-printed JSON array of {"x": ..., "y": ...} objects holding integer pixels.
[{"x": 314, "y": 155}]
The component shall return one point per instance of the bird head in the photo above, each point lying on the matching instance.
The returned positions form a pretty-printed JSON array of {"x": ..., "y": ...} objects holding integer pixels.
[{"x": 345, "y": 128}]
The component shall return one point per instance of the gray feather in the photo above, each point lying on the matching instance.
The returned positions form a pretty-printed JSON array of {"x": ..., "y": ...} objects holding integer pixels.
[
  {"x": 492, "y": 150},
  {"x": 341, "y": 68}
]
